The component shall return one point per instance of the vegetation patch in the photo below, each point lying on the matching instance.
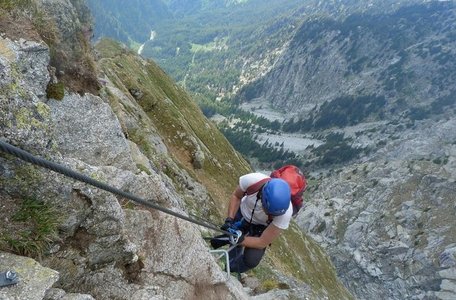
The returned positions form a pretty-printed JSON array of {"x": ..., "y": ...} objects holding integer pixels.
[
  {"x": 55, "y": 91},
  {"x": 71, "y": 55},
  {"x": 144, "y": 169},
  {"x": 299, "y": 256},
  {"x": 268, "y": 154},
  {"x": 32, "y": 228},
  {"x": 14, "y": 4},
  {"x": 340, "y": 112},
  {"x": 335, "y": 150},
  {"x": 439, "y": 106}
]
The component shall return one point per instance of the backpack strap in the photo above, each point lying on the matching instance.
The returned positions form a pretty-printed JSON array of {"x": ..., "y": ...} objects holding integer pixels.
[
  {"x": 256, "y": 187},
  {"x": 270, "y": 217}
]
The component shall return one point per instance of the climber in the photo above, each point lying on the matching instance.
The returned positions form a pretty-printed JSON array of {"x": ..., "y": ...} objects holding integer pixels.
[{"x": 260, "y": 217}]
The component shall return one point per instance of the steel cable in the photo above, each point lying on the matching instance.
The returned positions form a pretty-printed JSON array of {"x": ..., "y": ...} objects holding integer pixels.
[{"x": 24, "y": 155}]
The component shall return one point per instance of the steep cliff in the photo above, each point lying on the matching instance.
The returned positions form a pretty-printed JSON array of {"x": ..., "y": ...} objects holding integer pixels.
[
  {"x": 388, "y": 222},
  {"x": 136, "y": 130},
  {"x": 384, "y": 82},
  {"x": 101, "y": 245}
]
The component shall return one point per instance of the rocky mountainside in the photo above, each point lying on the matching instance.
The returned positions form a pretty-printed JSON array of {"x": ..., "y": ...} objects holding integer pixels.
[
  {"x": 388, "y": 222},
  {"x": 407, "y": 57},
  {"x": 119, "y": 119},
  {"x": 384, "y": 84},
  {"x": 373, "y": 83},
  {"x": 111, "y": 19},
  {"x": 216, "y": 47},
  {"x": 342, "y": 80}
]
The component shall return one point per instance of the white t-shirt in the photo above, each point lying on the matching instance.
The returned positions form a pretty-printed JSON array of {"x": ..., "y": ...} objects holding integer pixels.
[{"x": 248, "y": 203}]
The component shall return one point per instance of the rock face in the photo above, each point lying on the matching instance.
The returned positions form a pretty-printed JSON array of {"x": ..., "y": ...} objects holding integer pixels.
[
  {"x": 140, "y": 133},
  {"x": 34, "y": 279},
  {"x": 102, "y": 250},
  {"x": 388, "y": 223},
  {"x": 94, "y": 118}
]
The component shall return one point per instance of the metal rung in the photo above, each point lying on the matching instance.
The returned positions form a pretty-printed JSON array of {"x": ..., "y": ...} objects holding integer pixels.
[{"x": 227, "y": 256}]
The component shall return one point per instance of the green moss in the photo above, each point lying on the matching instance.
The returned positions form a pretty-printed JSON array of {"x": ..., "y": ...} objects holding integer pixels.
[
  {"x": 23, "y": 117},
  {"x": 25, "y": 120},
  {"x": 269, "y": 284},
  {"x": 14, "y": 88},
  {"x": 129, "y": 205},
  {"x": 139, "y": 138},
  {"x": 43, "y": 110},
  {"x": 27, "y": 178},
  {"x": 55, "y": 91}
]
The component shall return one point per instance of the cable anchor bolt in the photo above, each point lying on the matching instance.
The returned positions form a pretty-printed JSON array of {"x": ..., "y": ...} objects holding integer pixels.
[{"x": 8, "y": 278}]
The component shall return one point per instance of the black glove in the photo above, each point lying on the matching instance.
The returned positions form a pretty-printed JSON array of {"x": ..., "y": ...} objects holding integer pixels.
[
  {"x": 220, "y": 241},
  {"x": 228, "y": 224}
]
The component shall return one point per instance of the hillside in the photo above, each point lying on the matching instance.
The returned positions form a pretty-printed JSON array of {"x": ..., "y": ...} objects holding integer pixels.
[
  {"x": 377, "y": 94},
  {"x": 387, "y": 61},
  {"x": 135, "y": 129},
  {"x": 405, "y": 57},
  {"x": 215, "y": 47},
  {"x": 364, "y": 74},
  {"x": 367, "y": 93},
  {"x": 205, "y": 45}
]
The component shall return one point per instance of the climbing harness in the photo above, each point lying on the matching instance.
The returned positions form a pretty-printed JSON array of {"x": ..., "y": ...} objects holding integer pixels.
[
  {"x": 24, "y": 155},
  {"x": 8, "y": 278}
]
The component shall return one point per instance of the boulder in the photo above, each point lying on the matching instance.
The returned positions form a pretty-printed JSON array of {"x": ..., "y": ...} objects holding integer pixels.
[{"x": 34, "y": 279}]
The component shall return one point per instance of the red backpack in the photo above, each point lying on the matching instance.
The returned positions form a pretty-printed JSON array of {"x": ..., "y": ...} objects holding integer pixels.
[{"x": 295, "y": 178}]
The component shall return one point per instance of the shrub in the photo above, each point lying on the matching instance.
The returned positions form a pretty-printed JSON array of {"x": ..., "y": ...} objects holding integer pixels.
[
  {"x": 55, "y": 91},
  {"x": 269, "y": 284}
]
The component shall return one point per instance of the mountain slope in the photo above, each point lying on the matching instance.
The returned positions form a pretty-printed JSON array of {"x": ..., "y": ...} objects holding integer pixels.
[
  {"x": 142, "y": 134},
  {"x": 383, "y": 83},
  {"x": 193, "y": 141},
  {"x": 406, "y": 57},
  {"x": 215, "y": 47},
  {"x": 375, "y": 81},
  {"x": 388, "y": 222},
  {"x": 176, "y": 116},
  {"x": 130, "y": 24}
]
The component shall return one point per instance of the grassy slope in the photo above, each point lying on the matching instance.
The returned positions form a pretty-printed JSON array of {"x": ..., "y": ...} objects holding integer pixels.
[
  {"x": 177, "y": 117},
  {"x": 297, "y": 255}
]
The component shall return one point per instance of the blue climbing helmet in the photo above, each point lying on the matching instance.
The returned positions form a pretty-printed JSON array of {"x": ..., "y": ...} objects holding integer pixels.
[{"x": 275, "y": 197}]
